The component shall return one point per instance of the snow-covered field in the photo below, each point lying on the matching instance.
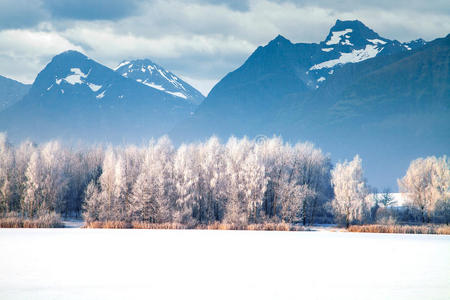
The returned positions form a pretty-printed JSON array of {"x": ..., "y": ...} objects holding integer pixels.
[{"x": 152, "y": 264}]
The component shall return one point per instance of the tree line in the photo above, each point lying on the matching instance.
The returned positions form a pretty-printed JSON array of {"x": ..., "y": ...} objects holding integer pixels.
[{"x": 239, "y": 182}]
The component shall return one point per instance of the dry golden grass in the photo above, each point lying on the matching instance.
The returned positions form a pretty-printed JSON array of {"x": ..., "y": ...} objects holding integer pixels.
[
  {"x": 108, "y": 225},
  {"x": 413, "y": 229},
  {"x": 253, "y": 227},
  {"x": 443, "y": 230},
  {"x": 45, "y": 221},
  {"x": 133, "y": 225},
  {"x": 145, "y": 225},
  {"x": 214, "y": 226}
]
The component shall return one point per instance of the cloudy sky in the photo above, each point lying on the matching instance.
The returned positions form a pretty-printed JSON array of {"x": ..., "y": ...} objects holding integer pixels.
[{"x": 199, "y": 40}]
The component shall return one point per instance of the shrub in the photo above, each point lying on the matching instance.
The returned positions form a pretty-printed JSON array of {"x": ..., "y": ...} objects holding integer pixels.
[
  {"x": 413, "y": 229},
  {"x": 46, "y": 220}
]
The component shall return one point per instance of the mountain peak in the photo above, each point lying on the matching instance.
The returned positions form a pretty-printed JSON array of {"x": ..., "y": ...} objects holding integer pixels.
[
  {"x": 153, "y": 75},
  {"x": 356, "y": 25},
  {"x": 353, "y": 23},
  {"x": 349, "y": 31},
  {"x": 70, "y": 54},
  {"x": 280, "y": 40}
]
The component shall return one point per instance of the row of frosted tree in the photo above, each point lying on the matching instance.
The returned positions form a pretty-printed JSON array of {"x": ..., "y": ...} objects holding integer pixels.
[{"x": 239, "y": 182}]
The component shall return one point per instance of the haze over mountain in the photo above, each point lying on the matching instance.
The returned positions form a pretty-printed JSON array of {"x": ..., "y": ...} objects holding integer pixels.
[
  {"x": 354, "y": 92},
  {"x": 11, "y": 91},
  {"x": 76, "y": 98}
]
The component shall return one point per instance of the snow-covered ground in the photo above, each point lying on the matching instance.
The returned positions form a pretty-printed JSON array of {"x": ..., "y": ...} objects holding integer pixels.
[{"x": 156, "y": 264}]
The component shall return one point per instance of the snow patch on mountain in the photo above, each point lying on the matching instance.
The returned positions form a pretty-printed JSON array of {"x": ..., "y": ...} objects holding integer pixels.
[
  {"x": 377, "y": 41},
  {"x": 153, "y": 85},
  {"x": 75, "y": 78},
  {"x": 353, "y": 57},
  {"x": 94, "y": 87},
  {"x": 177, "y": 94},
  {"x": 327, "y": 49},
  {"x": 150, "y": 74},
  {"x": 101, "y": 95},
  {"x": 346, "y": 42},
  {"x": 321, "y": 79},
  {"x": 336, "y": 36},
  {"x": 124, "y": 63}
]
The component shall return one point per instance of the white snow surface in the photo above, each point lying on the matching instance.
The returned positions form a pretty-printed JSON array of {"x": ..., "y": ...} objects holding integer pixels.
[
  {"x": 336, "y": 36},
  {"x": 327, "y": 49},
  {"x": 124, "y": 63},
  {"x": 347, "y": 42},
  {"x": 78, "y": 77},
  {"x": 101, "y": 95},
  {"x": 94, "y": 87},
  {"x": 377, "y": 41},
  {"x": 153, "y": 85},
  {"x": 321, "y": 79},
  {"x": 352, "y": 57},
  {"x": 193, "y": 264},
  {"x": 75, "y": 78},
  {"x": 177, "y": 94},
  {"x": 172, "y": 79}
]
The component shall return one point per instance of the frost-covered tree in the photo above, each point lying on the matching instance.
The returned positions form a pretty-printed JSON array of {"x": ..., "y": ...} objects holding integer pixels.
[
  {"x": 350, "y": 191},
  {"x": 239, "y": 182},
  {"x": 7, "y": 166},
  {"x": 275, "y": 158},
  {"x": 107, "y": 186},
  {"x": 246, "y": 182},
  {"x": 153, "y": 190},
  {"x": 54, "y": 168},
  {"x": 33, "y": 188},
  {"x": 212, "y": 180},
  {"x": 311, "y": 170},
  {"x": 185, "y": 183},
  {"x": 92, "y": 203},
  {"x": 299, "y": 175},
  {"x": 386, "y": 198},
  {"x": 427, "y": 184},
  {"x": 83, "y": 167},
  {"x": 295, "y": 198}
]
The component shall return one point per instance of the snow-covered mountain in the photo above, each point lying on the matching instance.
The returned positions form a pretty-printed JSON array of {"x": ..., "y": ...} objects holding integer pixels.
[
  {"x": 153, "y": 75},
  {"x": 354, "y": 92},
  {"x": 75, "y": 97},
  {"x": 351, "y": 42},
  {"x": 11, "y": 92}
]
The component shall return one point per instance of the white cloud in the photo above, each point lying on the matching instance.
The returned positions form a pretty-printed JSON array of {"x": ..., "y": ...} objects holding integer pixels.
[
  {"x": 23, "y": 53},
  {"x": 203, "y": 85},
  {"x": 203, "y": 41}
]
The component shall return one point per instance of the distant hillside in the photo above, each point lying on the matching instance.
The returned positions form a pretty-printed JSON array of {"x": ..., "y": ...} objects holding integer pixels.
[
  {"x": 11, "y": 91},
  {"x": 75, "y": 98}
]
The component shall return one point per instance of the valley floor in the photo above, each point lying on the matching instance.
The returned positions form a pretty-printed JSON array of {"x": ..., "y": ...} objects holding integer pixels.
[{"x": 209, "y": 264}]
